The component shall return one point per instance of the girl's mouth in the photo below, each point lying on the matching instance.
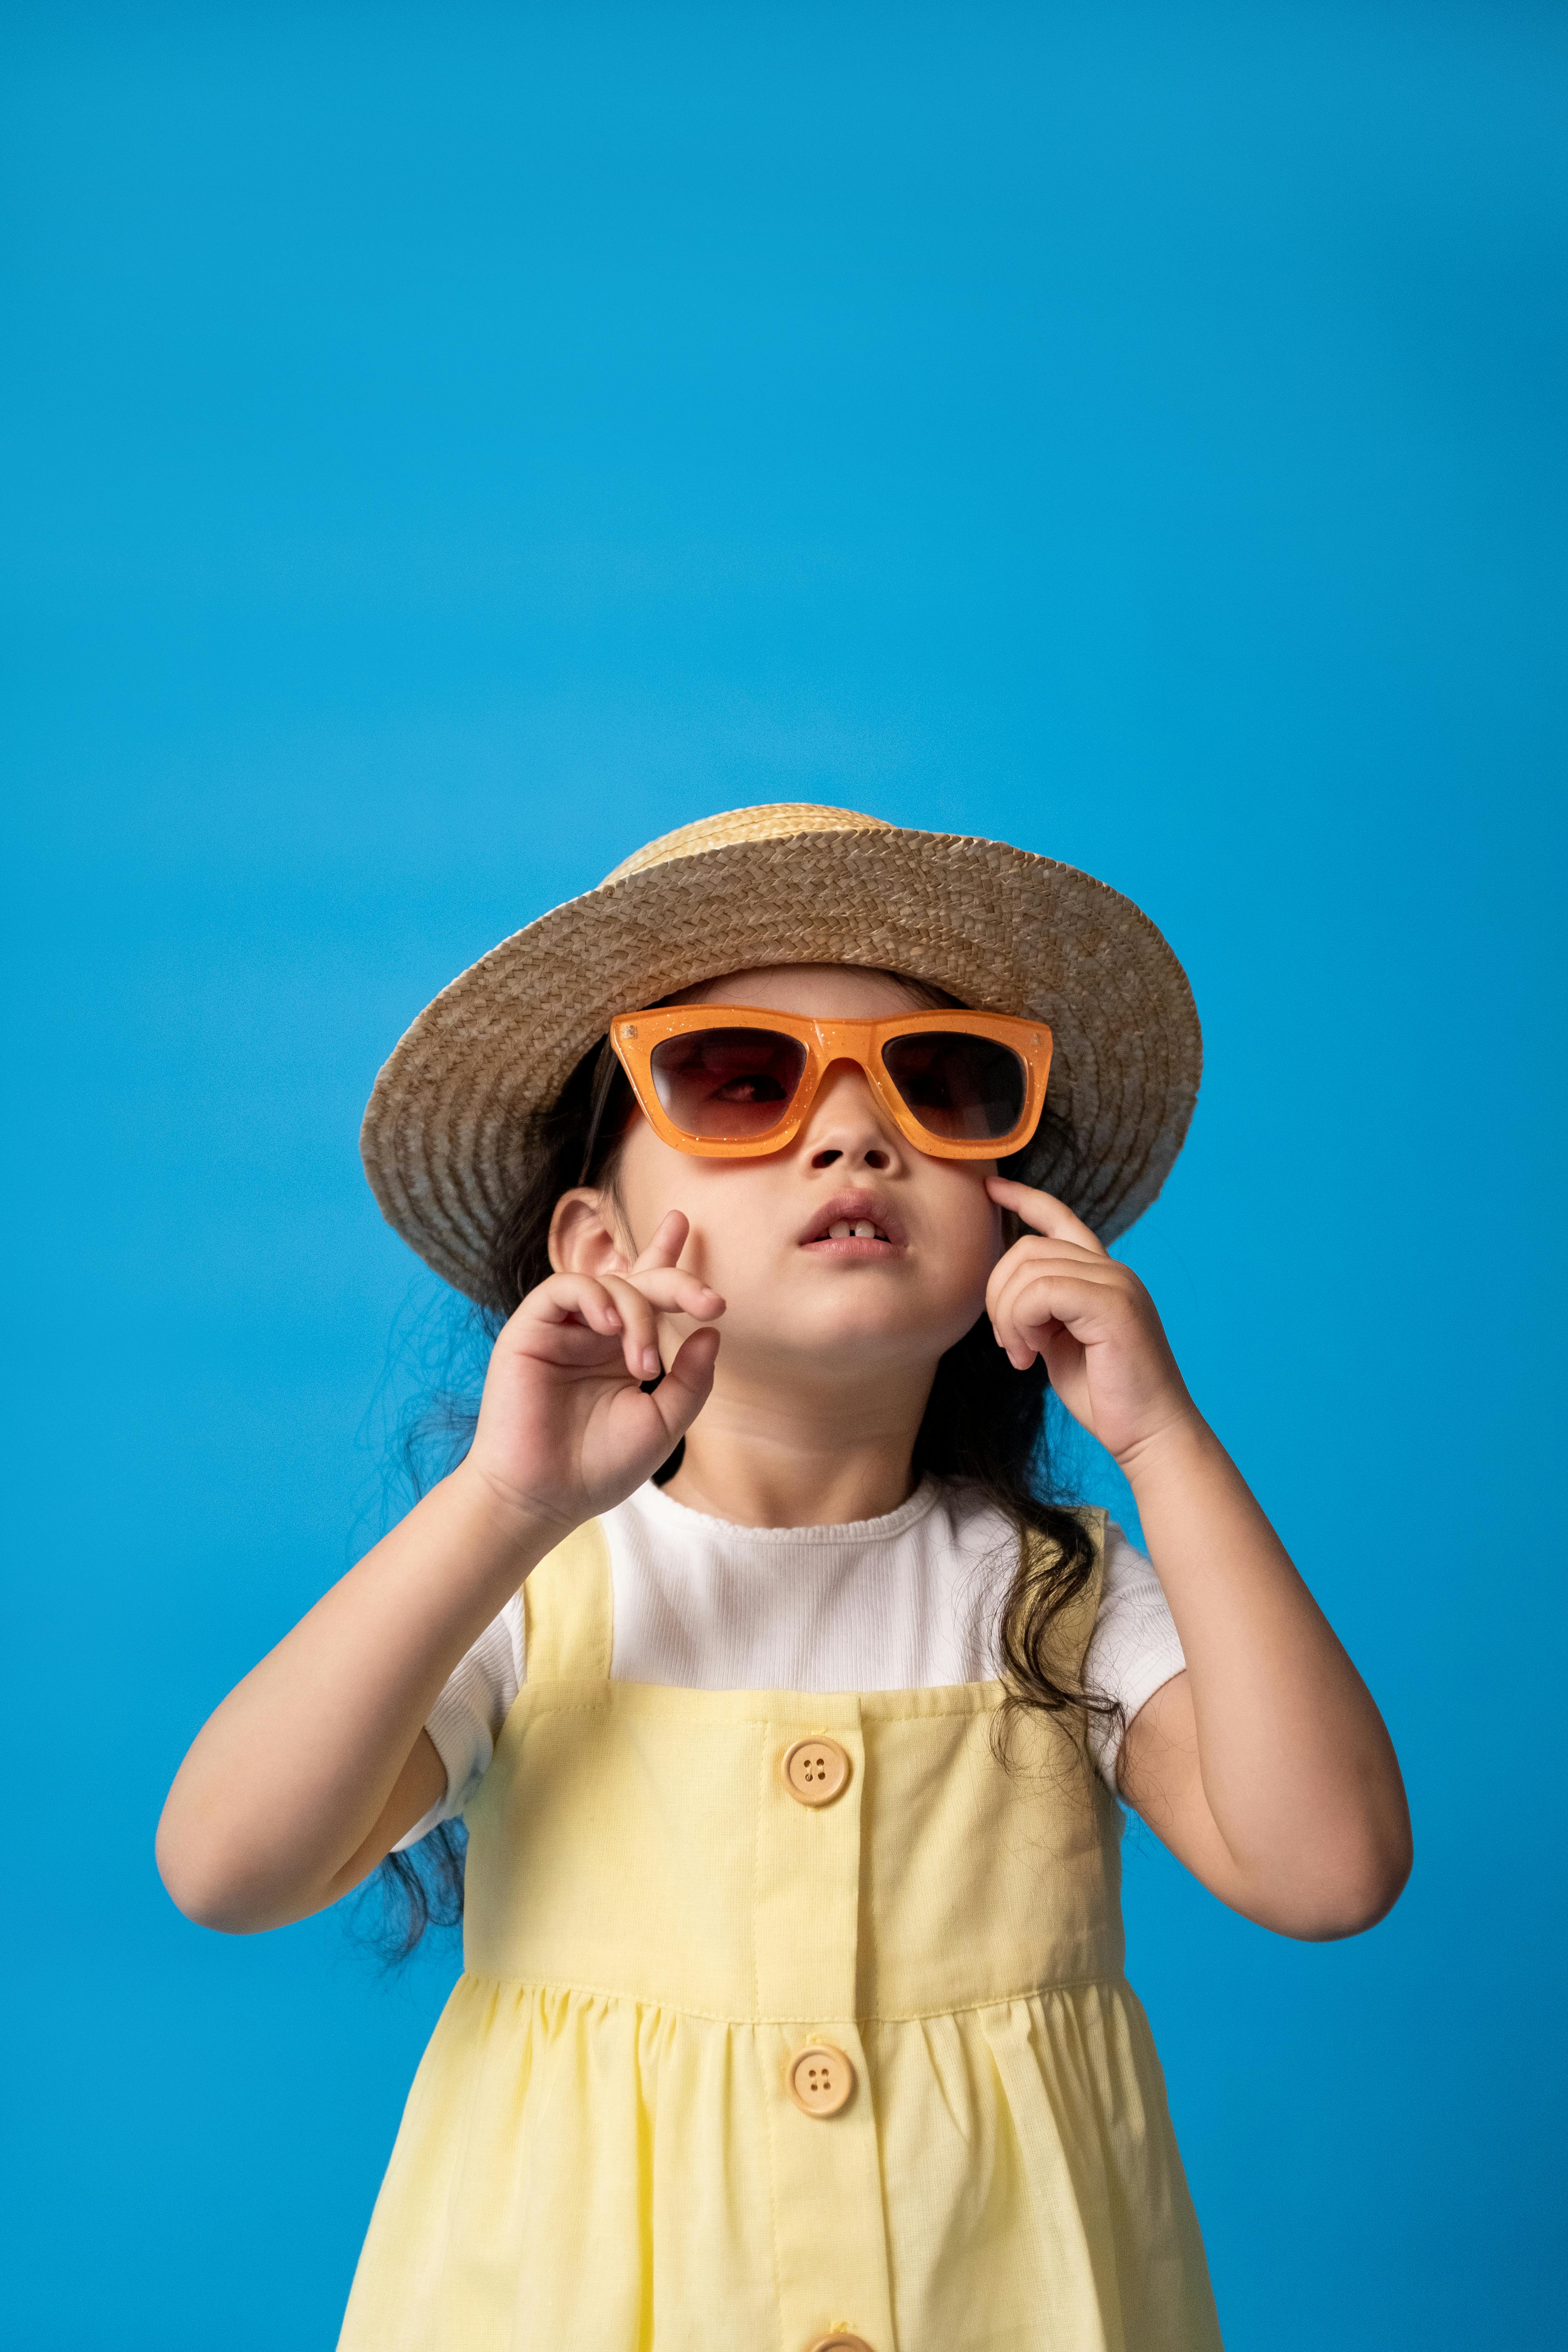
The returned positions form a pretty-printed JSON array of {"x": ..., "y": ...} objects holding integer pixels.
[
  {"x": 853, "y": 1241},
  {"x": 854, "y": 1225}
]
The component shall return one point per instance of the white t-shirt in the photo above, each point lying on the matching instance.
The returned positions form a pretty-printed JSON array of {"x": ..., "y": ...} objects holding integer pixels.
[{"x": 907, "y": 1601}]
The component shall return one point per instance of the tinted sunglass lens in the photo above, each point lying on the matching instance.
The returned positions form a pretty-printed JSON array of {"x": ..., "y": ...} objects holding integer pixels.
[
  {"x": 966, "y": 1090},
  {"x": 727, "y": 1085}
]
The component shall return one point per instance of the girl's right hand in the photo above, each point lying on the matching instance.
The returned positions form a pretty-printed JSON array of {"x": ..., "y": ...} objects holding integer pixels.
[
  {"x": 565, "y": 1428},
  {"x": 316, "y": 1764}
]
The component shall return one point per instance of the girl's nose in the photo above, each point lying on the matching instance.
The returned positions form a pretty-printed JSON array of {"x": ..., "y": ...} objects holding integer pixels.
[{"x": 848, "y": 1127}]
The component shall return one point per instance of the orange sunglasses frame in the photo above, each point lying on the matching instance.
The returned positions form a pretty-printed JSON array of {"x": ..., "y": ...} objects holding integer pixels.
[{"x": 635, "y": 1035}]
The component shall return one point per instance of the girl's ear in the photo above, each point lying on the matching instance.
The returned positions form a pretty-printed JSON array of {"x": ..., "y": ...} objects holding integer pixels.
[{"x": 583, "y": 1235}]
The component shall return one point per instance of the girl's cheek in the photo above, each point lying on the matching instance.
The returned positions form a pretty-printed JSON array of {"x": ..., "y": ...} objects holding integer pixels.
[
  {"x": 977, "y": 1227},
  {"x": 698, "y": 1256}
]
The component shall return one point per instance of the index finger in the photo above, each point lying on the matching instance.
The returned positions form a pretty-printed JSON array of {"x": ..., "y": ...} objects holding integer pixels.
[
  {"x": 1044, "y": 1213},
  {"x": 668, "y": 1241}
]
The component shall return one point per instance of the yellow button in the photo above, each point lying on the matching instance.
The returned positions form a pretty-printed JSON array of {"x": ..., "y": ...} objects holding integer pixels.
[
  {"x": 819, "y": 2079},
  {"x": 815, "y": 1770},
  {"x": 840, "y": 2342}
]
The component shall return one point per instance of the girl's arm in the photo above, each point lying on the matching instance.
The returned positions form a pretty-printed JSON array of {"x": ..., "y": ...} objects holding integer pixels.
[
  {"x": 1265, "y": 1767},
  {"x": 317, "y": 1762}
]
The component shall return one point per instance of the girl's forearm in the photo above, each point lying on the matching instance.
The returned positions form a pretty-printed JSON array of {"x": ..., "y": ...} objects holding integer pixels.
[
  {"x": 1297, "y": 1771},
  {"x": 290, "y": 1778}
]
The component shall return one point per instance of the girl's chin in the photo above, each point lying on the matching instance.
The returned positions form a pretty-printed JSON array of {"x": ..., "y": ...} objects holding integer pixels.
[{"x": 844, "y": 1335}]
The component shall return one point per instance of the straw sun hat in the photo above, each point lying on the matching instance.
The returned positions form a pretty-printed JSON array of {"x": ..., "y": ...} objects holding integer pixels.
[{"x": 450, "y": 1124}]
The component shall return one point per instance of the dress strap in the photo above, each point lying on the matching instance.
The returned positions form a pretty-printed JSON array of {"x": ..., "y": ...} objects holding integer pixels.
[{"x": 568, "y": 1610}]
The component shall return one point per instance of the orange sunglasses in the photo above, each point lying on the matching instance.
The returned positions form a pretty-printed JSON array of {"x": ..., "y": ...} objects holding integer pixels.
[{"x": 731, "y": 1081}]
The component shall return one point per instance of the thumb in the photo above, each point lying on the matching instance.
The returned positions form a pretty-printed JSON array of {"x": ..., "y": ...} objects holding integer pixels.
[{"x": 684, "y": 1389}]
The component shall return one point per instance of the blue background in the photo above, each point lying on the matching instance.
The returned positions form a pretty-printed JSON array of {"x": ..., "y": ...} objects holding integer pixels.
[{"x": 450, "y": 447}]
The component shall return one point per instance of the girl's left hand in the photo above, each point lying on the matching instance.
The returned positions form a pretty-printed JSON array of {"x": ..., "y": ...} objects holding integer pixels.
[{"x": 1057, "y": 1294}]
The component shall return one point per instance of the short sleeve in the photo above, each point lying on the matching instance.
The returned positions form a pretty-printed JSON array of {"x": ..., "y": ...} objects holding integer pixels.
[
  {"x": 1134, "y": 1647},
  {"x": 465, "y": 1722}
]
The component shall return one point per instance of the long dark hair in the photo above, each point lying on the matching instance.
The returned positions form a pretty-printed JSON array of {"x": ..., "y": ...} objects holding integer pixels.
[{"x": 985, "y": 1424}]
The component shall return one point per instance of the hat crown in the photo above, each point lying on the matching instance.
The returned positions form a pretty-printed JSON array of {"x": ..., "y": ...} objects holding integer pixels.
[{"x": 774, "y": 821}]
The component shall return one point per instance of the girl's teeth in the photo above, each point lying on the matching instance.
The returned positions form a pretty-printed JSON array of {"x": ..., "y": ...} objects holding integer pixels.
[{"x": 845, "y": 1231}]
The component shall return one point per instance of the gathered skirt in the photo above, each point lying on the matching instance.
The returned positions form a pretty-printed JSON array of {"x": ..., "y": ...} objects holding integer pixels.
[{"x": 583, "y": 2170}]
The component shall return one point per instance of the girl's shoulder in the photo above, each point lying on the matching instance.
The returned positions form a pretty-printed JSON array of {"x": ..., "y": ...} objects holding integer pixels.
[{"x": 978, "y": 1522}]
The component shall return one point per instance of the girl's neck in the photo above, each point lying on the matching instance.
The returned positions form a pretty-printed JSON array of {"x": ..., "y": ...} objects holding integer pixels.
[{"x": 769, "y": 1462}]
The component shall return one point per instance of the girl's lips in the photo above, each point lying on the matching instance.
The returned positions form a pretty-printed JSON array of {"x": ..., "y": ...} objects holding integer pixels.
[
  {"x": 854, "y": 1225},
  {"x": 853, "y": 1245}
]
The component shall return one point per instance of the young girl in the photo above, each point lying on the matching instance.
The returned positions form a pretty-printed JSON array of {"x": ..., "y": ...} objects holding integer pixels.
[{"x": 788, "y": 1719}]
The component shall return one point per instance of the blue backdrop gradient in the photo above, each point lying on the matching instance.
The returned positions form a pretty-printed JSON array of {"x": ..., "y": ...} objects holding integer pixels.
[{"x": 450, "y": 445}]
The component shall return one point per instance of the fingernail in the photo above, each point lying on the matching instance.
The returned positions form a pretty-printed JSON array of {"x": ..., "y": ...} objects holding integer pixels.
[
  {"x": 650, "y": 1362},
  {"x": 613, "y": 1319}
]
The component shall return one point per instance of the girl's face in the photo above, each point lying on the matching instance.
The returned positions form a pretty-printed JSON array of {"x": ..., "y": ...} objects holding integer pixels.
[{"x": 761, "y": 1230}]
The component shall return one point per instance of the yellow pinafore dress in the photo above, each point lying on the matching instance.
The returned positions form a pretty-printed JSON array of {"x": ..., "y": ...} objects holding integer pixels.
[{"x": 787, "y": 2020}]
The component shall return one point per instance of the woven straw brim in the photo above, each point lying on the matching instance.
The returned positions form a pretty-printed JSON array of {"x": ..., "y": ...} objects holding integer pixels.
[{"x": 450, "y": 1126}]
